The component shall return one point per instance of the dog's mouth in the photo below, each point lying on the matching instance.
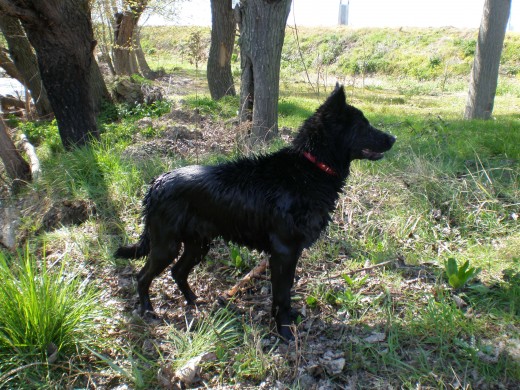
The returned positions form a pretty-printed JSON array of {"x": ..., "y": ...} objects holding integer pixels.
[{"x": 371, "y": 155}]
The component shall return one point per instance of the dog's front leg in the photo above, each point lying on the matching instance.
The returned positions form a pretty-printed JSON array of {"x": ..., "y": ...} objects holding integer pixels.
[{"x": 283, "y": 265}]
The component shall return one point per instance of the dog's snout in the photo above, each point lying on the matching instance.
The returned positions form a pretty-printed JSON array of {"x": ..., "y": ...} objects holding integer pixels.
[{"x": 392, "y": 139}]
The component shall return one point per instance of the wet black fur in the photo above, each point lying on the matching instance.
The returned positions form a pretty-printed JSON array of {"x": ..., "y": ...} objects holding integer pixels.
[{"x": 277, "y": 203}]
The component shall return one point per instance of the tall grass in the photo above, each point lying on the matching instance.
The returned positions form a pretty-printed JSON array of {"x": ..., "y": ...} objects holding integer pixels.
[{"x": 47, "y": 314}]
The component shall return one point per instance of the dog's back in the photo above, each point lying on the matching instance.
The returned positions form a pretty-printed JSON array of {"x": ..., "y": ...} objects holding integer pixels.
[{"x": 243, "y": 201}]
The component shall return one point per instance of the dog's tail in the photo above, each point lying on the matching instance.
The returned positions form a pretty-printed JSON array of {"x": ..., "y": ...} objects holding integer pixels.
[
  {"x": 142, "y": 248},
  {"x": 135, "y": 251}
]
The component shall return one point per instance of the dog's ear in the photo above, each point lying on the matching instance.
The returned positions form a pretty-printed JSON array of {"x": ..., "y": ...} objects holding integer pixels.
[
  {"x": 337, "y": 98},
  {"x": 338, "y": 87}
]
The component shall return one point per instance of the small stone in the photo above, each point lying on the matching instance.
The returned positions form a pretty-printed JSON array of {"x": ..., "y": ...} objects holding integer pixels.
[
  {"x": 375, "y": 338},
  {"x": 305, "y": 381},
  {"x": 144, "y": 123},
  {"x": 189, "y": 373},
  {"x": 52, "y": 353},
  {"x": 459, "y": 302}
]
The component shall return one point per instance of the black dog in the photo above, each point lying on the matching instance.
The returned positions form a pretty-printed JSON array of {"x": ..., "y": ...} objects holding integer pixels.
[{"x": 278, "y": 203}]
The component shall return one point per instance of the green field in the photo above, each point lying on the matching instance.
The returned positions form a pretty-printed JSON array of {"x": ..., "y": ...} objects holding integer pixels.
[{"x": 449, "y": 189}]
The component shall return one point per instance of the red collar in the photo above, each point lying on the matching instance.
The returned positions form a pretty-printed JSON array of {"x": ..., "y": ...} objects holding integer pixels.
[{"x": 324, "y": 167}]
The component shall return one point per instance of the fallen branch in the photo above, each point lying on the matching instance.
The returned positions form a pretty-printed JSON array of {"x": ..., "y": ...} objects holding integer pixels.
[
  {"x": 8, "y": 65},
  {"x": 30, "y": 151},
  {"x": 337, "y": 274},
  {"x": 254, "y": 273},
  {"x": 11, "y": 105},
  {"x": 260, "y": 269},
  {"x": 15, "y": 165}
]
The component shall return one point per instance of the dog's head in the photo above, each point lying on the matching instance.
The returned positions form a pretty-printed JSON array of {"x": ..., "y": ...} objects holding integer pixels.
[{"x": 338, "y": 133}]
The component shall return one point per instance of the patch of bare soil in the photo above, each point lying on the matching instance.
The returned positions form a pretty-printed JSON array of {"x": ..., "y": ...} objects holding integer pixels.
[
  {"x": 68, "y": 212},
  {"x": 182, "y": 133}
]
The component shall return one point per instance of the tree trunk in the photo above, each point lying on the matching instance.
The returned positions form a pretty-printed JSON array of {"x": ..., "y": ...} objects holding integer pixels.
[
  {"x": 220, "y": 79},
  {"x": 247, "y": 89},
  {"x": 61, "y": 34},
  {"x": 8, "y": 66},
  {"x": 125, "y": 62},
  {"x": 24, "y": 59},
  {"x": 484, "y": 74},
  {"x": 141, "y": 59},
  {"x": 125, "y": 38},
  {"x": 262, "y": 31},
  {"x": 100, "y": 94},
  {"x": 16, "y": 167},
  {"x": 105, "y": 33}
]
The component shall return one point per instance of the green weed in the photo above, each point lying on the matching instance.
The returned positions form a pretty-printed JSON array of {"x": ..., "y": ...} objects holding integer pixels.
[
  {"x": 43, "y": 133},
  {"x": 458, "y": 277},
  {"x": 239, "y": 258}
]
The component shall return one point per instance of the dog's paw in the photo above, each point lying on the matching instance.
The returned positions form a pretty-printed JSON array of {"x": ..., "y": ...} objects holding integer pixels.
[
  {"x": 150, "y": 315},
  {"x": 286, "y": 332}
]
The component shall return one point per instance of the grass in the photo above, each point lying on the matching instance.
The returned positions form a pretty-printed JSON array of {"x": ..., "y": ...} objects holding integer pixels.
[
  {"x": 448, "y": 189},
  {"x": 216, "y": 334},
  {"x": 423, "y": 61},
  {"x": 49, "y": 314}
]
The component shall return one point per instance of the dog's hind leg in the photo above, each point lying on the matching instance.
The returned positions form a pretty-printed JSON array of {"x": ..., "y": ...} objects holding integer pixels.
[
  {"x": 158, "y": 259},
  {"x": 283, "y": 262},
  {"x": 194, "y": 252}
]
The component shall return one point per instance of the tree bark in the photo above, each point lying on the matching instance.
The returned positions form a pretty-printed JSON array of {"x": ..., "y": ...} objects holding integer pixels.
[
  {"x": 8, "y": 66},
  {"x": 24, "y": 59},
  {"x": 220, "y": 79},
  {"x": 484, "y": 74},
  {"x": 16, "y": 167},
  {"x": 125, "y": 62},
  {"x": 125, "y": 24},
  {"x": 60, "y": 32},
  {"x": 247, "y": 89},
  {"x": 141, "y": 59},
  {"x": 105, "y": 33},
  {"x": 262, "y": 31},
  {"x": 100, "y": 94}
]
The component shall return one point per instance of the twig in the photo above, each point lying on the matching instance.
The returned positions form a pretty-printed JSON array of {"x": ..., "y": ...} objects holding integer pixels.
[
  {"x": 363, "y": 269},
  {"x": 3, "y": 378},
  {"x": 301, "y": 54},
  {"x": 254, "y": 273}
]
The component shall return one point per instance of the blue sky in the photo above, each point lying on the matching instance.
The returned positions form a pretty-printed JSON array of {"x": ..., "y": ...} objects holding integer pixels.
[{"x": 366, "y": 13}]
